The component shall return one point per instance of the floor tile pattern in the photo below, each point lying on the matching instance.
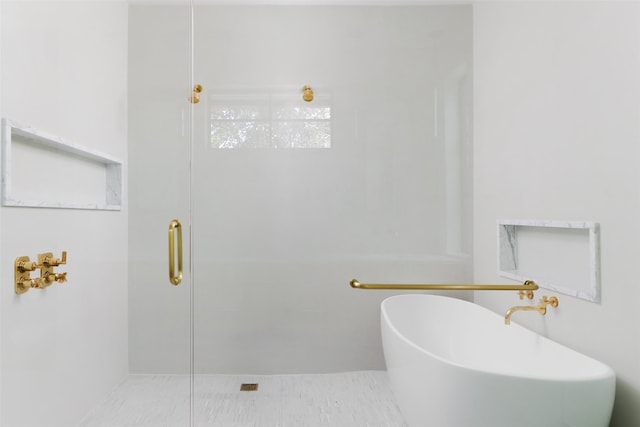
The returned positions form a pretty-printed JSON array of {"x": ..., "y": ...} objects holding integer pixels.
[{"x": 351, "y": 399}]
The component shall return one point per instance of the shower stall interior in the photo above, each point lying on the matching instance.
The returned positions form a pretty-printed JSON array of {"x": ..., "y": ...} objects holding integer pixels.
[{"x": 299, "y": 146}]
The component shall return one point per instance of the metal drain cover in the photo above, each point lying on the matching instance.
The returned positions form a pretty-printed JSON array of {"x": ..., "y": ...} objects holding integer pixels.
[{"x": 249, "y": 387}]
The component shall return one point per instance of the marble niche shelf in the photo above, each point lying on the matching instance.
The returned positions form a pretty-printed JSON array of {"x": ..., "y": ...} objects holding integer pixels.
[
  {"x": 103, "y": 171},
  {"x": 562, "y": 256}
]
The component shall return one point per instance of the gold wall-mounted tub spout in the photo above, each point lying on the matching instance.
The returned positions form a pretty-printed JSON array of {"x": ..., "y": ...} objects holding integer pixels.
[{"x": 541, "y": 308}]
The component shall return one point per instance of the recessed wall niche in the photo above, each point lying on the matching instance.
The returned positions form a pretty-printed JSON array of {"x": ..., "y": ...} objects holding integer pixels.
[
  {"x": 563, "y": 256},
  {"x": 31, "y": 163}
]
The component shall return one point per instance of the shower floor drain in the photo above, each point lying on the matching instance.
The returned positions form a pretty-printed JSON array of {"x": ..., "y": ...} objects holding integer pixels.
[{"x": 249, "y": 387}]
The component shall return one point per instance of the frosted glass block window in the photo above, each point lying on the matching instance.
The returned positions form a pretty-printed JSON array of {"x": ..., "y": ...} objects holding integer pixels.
[{"x": 269, "y": 121}]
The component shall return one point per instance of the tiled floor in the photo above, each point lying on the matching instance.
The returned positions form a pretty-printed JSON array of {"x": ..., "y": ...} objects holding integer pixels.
[{"x": 352, "y": 399}]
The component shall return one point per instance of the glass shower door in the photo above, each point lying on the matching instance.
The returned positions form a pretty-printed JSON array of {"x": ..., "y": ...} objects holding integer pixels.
[
  {"x": 160, "y": 132},
  {"x": 294, "y": 195}
]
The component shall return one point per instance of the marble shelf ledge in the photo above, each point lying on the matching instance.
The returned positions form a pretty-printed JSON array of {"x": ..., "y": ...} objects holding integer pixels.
[
  {"x": 113, "y": 169},
  {"x": 562, "y": 256}
]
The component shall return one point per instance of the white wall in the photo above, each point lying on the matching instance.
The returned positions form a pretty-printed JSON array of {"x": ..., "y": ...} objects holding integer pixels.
[
  {"x": 63, "y": 348},
  {"x": 278, "y": 233},
  {"x": 557, "y": 137}
]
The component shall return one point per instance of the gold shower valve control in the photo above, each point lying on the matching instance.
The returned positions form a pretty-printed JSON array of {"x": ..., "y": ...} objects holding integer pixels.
[{"x": 46, "y": 263}]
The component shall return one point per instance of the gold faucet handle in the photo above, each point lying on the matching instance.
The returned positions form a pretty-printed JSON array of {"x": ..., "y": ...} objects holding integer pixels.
[
  {"x": 56, "y": 277},
  {"x": 54, "y": 262},
  {"x": 552, "y": 301}
]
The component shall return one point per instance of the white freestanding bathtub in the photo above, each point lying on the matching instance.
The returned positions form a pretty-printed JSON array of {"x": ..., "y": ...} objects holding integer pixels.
[{"x": 453, "y": 363}]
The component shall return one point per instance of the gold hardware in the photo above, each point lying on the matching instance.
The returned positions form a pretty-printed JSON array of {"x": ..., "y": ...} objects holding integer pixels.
[
  {"x": 175, "y": 228},
  {"x": 541, "y": 308},
  {"x": 528, "y": 294},
  {"x": 195, "y": 94},
  {"x": 26, "y": 265},
  {"x": 47, "y": 259},
  {"x": 25, "y": 284},
  {"x": 46, "y": 263},
  {"x": 55, "y": 277},
  {"x": 528, "y": 285},
  {"x": 21, "y": 274},
  {"x": 307, "y": 94},
  {"x": 249, "y": 387}
]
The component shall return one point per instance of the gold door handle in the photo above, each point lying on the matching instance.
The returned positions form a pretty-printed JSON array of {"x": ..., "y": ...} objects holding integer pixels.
[{"x": 175, "y": 228}]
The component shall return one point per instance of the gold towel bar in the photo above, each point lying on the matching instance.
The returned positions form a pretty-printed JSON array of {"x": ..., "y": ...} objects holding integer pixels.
[{"x": 528, "y": 285}]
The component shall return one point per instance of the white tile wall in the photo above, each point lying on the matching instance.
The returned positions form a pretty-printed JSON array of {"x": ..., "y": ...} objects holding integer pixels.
[{"x": 352, "y": 399}]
